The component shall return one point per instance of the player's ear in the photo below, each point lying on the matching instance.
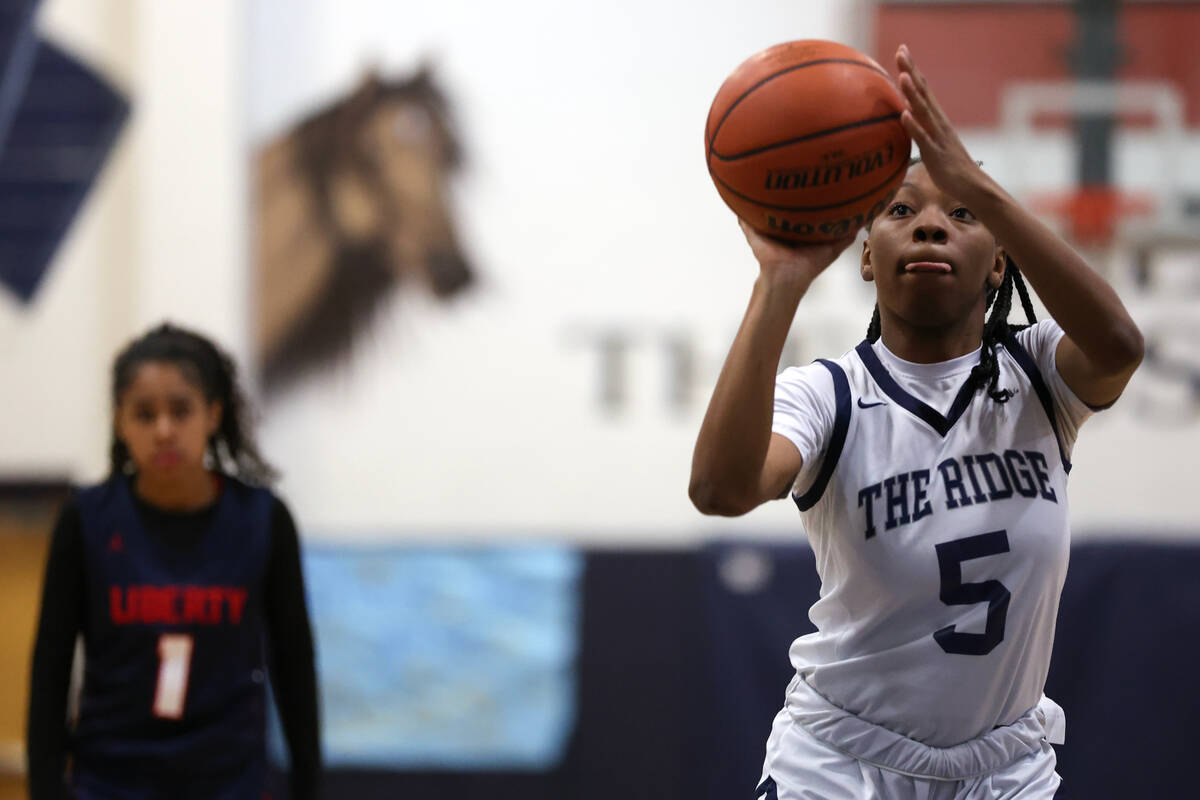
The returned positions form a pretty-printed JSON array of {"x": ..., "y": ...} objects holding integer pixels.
[
  {"x": 865, "y": 267},
  {"x": 215, "y": 410},
  {"x": 999, "y": 265}
]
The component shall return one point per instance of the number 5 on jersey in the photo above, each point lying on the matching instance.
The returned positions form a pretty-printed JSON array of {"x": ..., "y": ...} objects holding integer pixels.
[
  {"x": 956, "y": 593},
  {"x": 174, "y": 666}
]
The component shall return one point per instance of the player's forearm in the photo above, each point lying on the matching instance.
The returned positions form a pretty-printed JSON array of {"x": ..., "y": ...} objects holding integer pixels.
[
  {"x": 46, "y": 733},
  {"x": 302, "y": 731},
  {"x": 1082, "y": 302},
  {"x": 46, "y": 751},
  {"x": 293, "y": 663},
  {"x": 731, "y": 449},
  {"x": 53, "y": 654},
  {"x": 294, "y": 680}
]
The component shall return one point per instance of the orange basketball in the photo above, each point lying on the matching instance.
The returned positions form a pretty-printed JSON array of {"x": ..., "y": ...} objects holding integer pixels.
[{"x": 804, "y": 140}]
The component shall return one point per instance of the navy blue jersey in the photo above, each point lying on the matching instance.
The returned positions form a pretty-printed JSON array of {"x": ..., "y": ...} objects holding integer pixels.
[{"x": 174, "y": 631}]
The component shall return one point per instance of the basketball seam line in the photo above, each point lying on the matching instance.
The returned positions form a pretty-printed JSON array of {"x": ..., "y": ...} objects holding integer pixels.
[
  {"x": 848, "y": 200},
  {"x": 775, "y": 75},
  {"x": 818, "y": 134}
]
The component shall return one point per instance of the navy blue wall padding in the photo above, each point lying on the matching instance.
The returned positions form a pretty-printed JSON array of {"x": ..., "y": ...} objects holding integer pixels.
[
  {"x": 53, "y": 149},
  {"x": 748, "y": 634},
  {"x": 1124, "y": 666},
  {"x": 363, "y": 784},
  {"x": 1125, "y": 669},
  {"x": 642, "y": 703},
  {"x": 681, "y": 675}
]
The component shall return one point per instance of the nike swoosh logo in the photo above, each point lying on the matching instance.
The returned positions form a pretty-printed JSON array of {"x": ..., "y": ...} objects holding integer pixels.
[{"x": 861, "y": 404}]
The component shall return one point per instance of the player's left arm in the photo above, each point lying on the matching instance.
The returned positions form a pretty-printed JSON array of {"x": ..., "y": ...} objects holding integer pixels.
[
  {"x": 290, "y": 645},
  {"x": 1102, "y": 346}
]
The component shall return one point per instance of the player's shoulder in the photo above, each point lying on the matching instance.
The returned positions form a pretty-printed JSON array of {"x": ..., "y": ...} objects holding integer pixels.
[
  {"x": 822, "y": 373},
  {"x": 87, "y": 497},
  {"x": 253, "y": 496},
  {"x": 106, "y": 486},
  {"x": 1033, "y": 349},
  {"x": 1036, "y": 338},
  {"x": 244, "y": 488}
]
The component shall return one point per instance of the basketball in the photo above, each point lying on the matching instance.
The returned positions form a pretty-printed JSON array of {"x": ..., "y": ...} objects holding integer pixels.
[{"x": 804, "y": 140}]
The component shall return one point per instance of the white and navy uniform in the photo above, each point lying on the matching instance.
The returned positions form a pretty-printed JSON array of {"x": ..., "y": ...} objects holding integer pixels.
[{"x": 939, "y": 522}]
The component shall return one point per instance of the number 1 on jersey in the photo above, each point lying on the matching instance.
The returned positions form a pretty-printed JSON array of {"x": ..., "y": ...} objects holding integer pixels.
[{"x": 174, "y": 665}]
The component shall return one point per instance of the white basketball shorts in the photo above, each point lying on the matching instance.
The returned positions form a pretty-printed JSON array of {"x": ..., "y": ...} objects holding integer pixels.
[{"x": 818, "y": 751}]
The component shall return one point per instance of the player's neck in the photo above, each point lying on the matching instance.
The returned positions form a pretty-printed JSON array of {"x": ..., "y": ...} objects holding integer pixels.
[
  {"x": 186, "y": 490},
  {"x": 930, "y": 345}
]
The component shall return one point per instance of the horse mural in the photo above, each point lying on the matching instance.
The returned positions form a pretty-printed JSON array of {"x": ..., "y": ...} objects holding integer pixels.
[{"x": 350, "y": 203}]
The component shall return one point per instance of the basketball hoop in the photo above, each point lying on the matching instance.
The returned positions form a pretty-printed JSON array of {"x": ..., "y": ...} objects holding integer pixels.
[{"x": 1092, "y": 212}]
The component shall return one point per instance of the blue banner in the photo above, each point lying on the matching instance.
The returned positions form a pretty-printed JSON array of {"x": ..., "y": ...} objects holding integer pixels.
[{"x": 456, "y": 658}]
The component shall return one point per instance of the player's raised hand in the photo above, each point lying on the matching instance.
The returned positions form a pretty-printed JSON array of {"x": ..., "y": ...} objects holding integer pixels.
[
  {"x": 794, "y": 264},
  {"x": 942, "y": 151}
]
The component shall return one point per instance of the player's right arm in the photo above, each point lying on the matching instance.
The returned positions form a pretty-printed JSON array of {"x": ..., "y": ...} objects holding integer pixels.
[
  {"x": 738, "y": 464},
  {"x": 54, "y": 650}
]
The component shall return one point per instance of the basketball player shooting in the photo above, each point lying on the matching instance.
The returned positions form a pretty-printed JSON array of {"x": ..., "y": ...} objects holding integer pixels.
[{"x": 929, "y": 464}]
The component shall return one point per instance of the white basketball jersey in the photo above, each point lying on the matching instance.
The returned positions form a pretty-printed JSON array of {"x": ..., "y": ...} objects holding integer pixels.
[{"x": 938, "y": 518}]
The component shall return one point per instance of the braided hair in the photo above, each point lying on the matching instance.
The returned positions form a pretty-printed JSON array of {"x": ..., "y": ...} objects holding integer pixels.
[
  {"x": 986, "y": 374},
  {"x": 231, "y": 448}
]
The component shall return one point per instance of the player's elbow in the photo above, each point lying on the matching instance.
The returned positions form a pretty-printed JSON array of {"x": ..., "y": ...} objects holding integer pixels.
[
  {"x": 1132, "y": 346},
  {"x": 1126, "y": 347},
  {"x": 711, "y": 499}
]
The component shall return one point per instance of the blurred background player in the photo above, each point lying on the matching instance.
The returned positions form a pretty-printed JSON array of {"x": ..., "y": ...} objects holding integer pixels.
[
  {"x": 182, "y": 573},
  {"x": 942, "y": 439}
]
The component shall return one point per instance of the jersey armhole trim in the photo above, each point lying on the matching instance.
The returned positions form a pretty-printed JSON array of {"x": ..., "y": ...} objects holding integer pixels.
[
  {"x": 841, "y": 424},
  {"x": 1027, "y": 364}
]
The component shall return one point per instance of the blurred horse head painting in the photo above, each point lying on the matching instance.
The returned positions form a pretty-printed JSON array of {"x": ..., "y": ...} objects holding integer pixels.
[{"x": 351, "y": 202}]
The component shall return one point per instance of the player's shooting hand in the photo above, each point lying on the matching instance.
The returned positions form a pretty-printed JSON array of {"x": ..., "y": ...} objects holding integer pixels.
[
  {"x": 942, "y": 151},
  {"x": 792, "y": 264}
]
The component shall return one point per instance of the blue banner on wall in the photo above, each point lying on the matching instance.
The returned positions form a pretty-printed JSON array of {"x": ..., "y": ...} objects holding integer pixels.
[{"x": 454, "y": 658}]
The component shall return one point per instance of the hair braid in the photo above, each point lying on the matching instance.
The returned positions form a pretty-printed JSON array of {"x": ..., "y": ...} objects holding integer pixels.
[
  {"x": 874, "y": 327},
  {"x": 986, "y": 374},
  {"x": 1023, "y": 291},
  {"x": 233, "y": 446}
]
